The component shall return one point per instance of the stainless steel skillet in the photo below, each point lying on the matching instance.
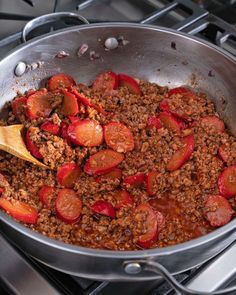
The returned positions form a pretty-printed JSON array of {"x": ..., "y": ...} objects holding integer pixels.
[{"x": 148, "y": 55}]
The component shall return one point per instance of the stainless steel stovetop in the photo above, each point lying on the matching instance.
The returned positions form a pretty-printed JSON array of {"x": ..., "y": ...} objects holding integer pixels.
[{"x": 212, "y": 20}]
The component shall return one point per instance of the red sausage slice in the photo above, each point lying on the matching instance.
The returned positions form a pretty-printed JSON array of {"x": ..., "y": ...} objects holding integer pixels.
[
  {"x": 74, "y": 119},
  {"x": 123, "y": 198},
  {"x": 149, "y": 238},
  {"x": 103, "y": 162},
  {"x": 86, "y": 133},
  {"x": 64, "y": 132},
  {"x": 70, "y": 105},
  {"x": 68, "y": 206},
  {"x": 87, "y": 101},
  {"x": 130, "y": 83},
  {"x": 103, "y": 208},
  {"x": 222, "y": 152},
  {"x": 81, "y": 97},
  {"x": 219, "y": 211},
  {"x": 19, "y": 210},
  {"x": 67, "y": 174},
  {"x": 60, "y": 81},
  {"x": 182, "y": 155},
  {"x": 160, "y": 220},
  {"x": 50, "y": 127},
  {"x": 38, "y": 105},
  {"x": 46, "y": 193},
  {"x": 33, "y": 149},
  {"x": 18, "y": 105},
  {"x": 116, "y": 173},
  {"x": 170, "y": 122},
  {"x": 227, "y": 182},
  {"x": 118, "y": 137},
  {"x": 178, "y": 90},
  {"x": 151, "y": 180},
  {"x": 216, "y": 124},
  {"x": 106, "y": 81},
  {"x": 134, "y": 180},
  {"x": 165, "y": 107},
  {"x": 153, "y": 122}
]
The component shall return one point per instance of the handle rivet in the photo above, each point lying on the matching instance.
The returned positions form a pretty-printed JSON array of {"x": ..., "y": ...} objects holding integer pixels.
[
  {"x": 20, "y": 69},
  {"x": 111, "y": 43},
  {"x": 133, "y": 268}
]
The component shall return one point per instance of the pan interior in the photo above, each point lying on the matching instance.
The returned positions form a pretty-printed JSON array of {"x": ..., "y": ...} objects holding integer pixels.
[{"x": 154, "y": 54}]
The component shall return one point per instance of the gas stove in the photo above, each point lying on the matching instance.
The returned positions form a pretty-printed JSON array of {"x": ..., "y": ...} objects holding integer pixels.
[{"x": 211, "y": 20}]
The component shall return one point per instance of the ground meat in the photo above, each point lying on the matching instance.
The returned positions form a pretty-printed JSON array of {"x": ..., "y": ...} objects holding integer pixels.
[{"x": 179, "y": 195}]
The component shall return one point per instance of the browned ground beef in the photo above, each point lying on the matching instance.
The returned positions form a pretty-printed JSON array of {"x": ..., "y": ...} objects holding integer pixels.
[{"x": 179, "y": 195}]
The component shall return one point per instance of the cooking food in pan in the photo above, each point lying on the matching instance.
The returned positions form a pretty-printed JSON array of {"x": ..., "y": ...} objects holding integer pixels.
[{"x": 133, "y": 165}]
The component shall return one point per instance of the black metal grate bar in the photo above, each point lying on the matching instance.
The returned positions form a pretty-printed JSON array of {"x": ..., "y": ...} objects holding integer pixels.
[
  {"x": 196, "y": 13},
  {"x": 30, "y": 2},
  {"x": 85, "y": 4},
  {"x": 159, "y": 13},
  {"x": 221, "y": 32},
  {"x": 12, "y": 16}
]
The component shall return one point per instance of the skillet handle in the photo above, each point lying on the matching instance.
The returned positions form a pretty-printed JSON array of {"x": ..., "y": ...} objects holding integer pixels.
[
  {"x": 134, "y": 267},
  {"x": 49, "y": 18}
]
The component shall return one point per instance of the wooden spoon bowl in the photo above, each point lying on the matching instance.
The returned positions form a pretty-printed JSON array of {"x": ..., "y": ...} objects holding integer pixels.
[{"x": 11, "y": 141}]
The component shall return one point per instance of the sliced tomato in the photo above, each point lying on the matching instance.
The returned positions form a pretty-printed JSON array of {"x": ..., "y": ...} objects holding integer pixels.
[
  {"x": 149, "y": 238},
  {"x": 227, "y": 182},
  {"x": 60, "y": 81},
  {"x": 153, "y": 122},
  {"x": 46, "y": 193},
  {"x": 216, "y": 125},
  {"x": 218, "y": 210},
  {"x": 222, "y": 152},
  {"x": 19, "y": 210},
  {"x": 178, "y": 90},
  {"x": 68, "y": 205},
  {"x": 106, "y": 81},
  {"x": 151, "y": 181},
  {"x": 103, "y": 208},
  {"x": 134, "y": 180},
  {"x": 18, "y": 106},
  {"x": 116, "y": 173},
  {"x": 31, "y": 146},
  {"x": 130, "y": 83},
  {"x": 50, "y": 127},
  {"x": 182, "y": 155},
  {"x": 86, "y": 133},
  {"x": 70, "y": 105},
  {"x": 103, "y": 162},
  {"x": 118, "y": 137},
  {"x": 169, "y": 122},
  {"x": 67, "y": 174},
  {"x": 38, "y": 105},
  {"x": 123, "y": 198}
]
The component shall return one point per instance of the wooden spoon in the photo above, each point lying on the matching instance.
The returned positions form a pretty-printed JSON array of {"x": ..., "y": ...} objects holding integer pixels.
[{"x": 11, "y": 141}]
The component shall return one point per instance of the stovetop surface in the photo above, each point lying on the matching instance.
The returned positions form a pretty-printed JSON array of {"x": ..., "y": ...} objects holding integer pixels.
[{"x": 20, "y": 274}]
